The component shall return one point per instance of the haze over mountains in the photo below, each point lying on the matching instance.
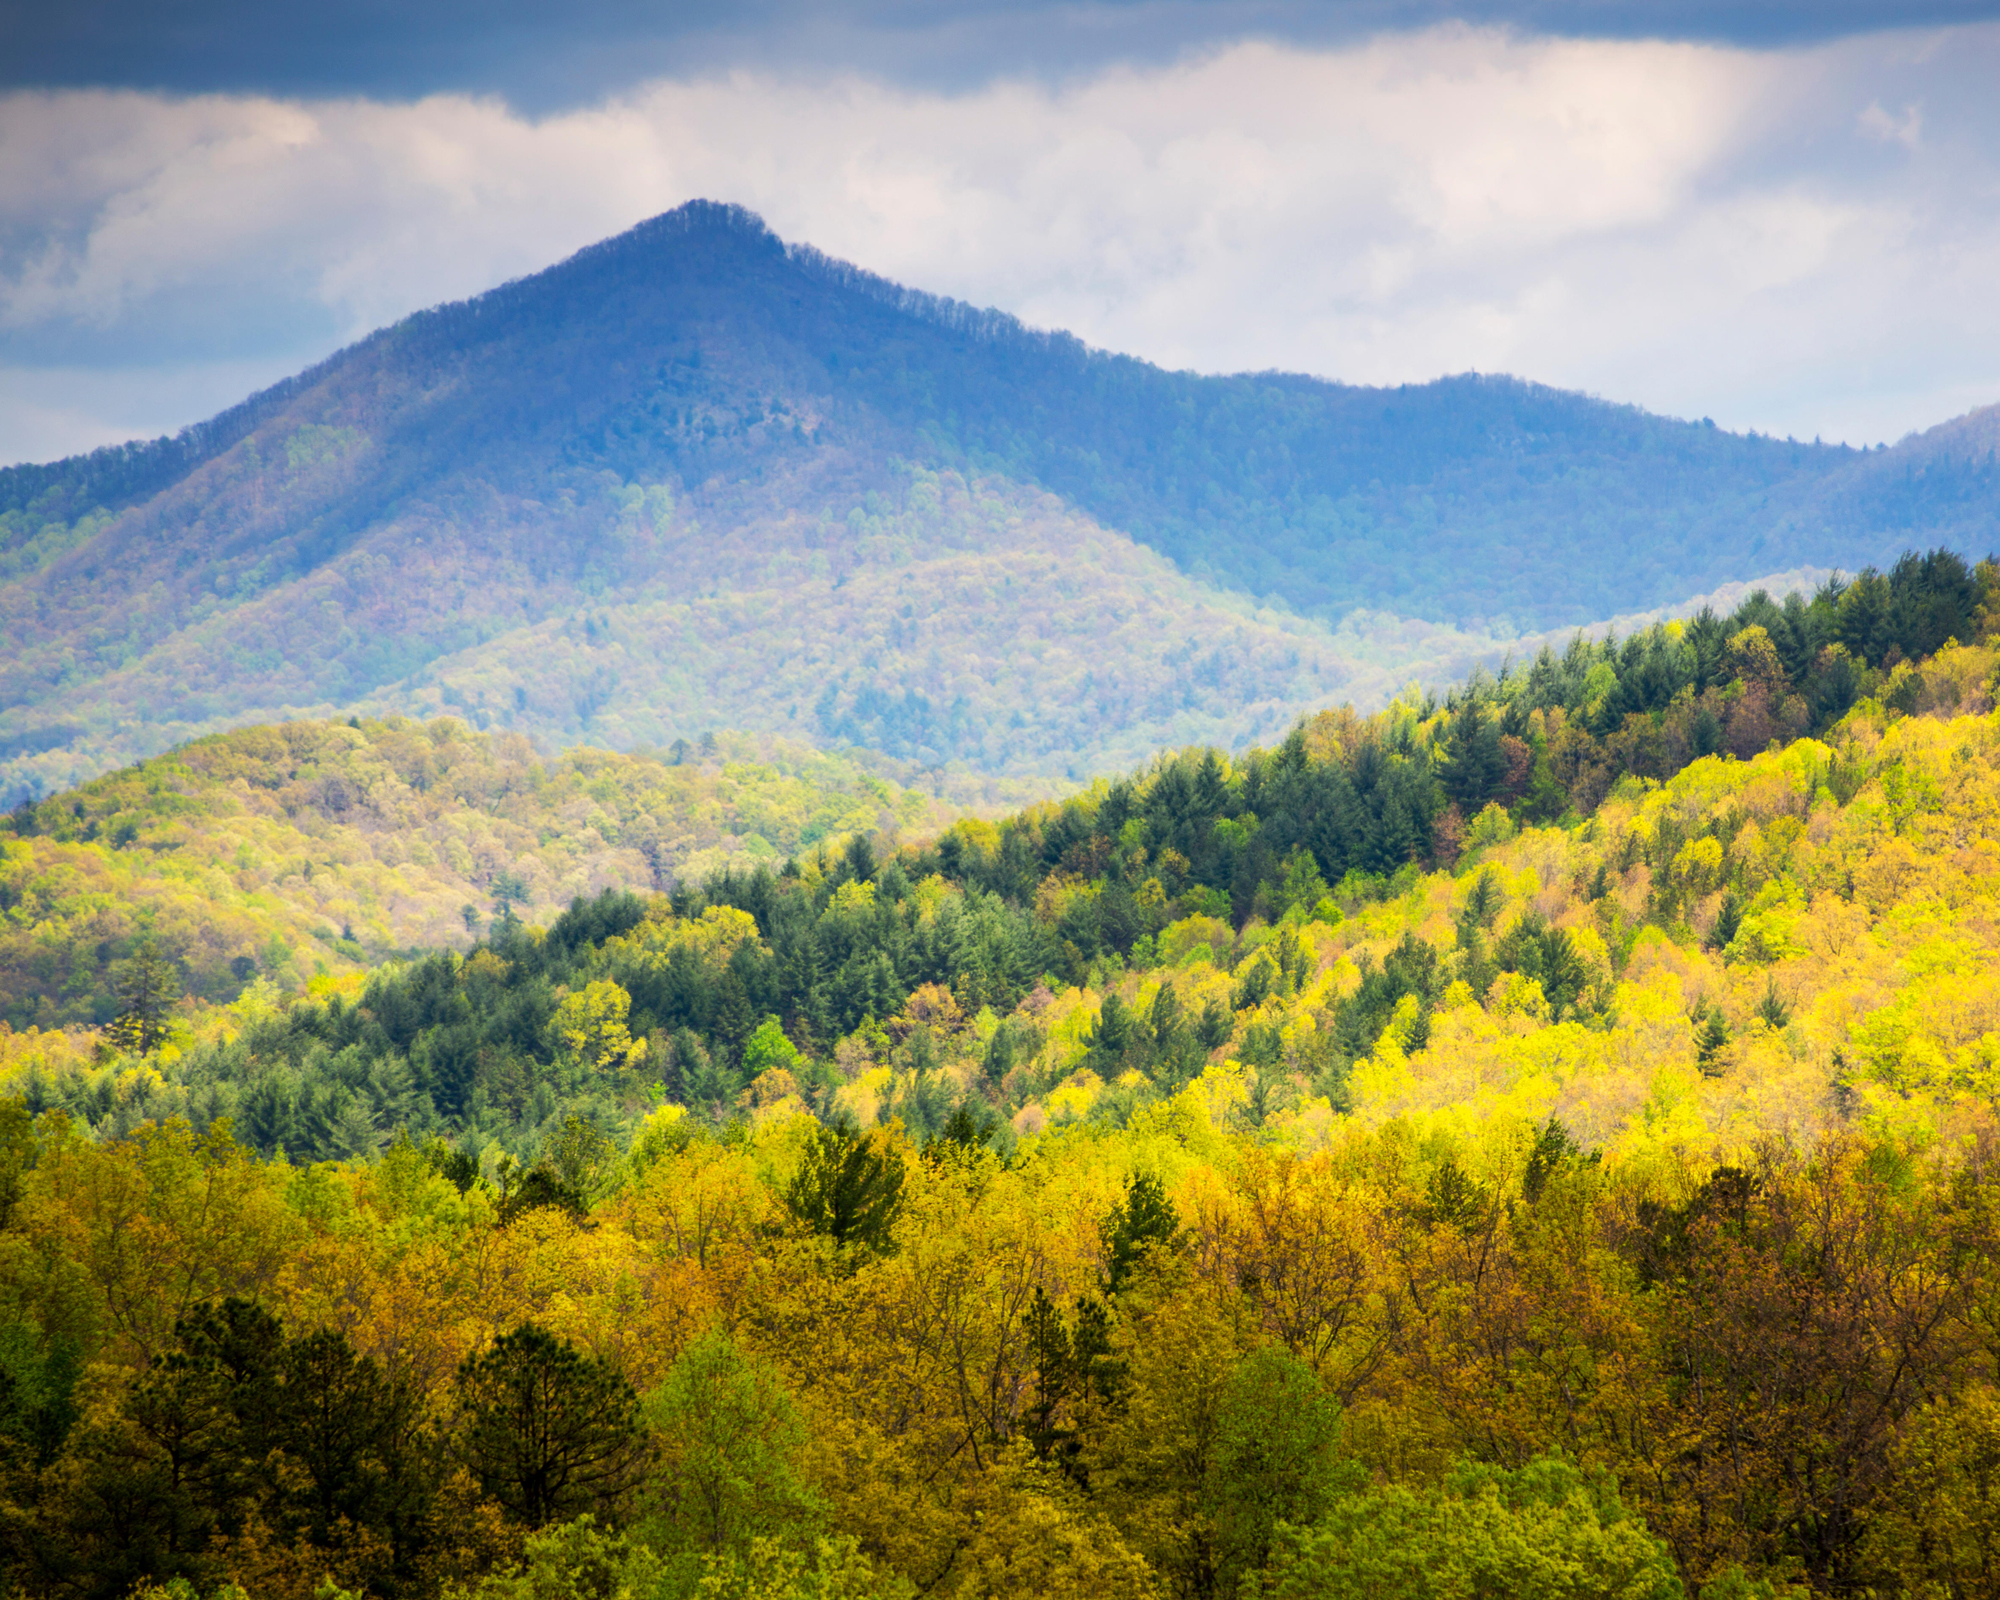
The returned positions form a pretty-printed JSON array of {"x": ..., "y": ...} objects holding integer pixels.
[{"x": 693, "y": 478}]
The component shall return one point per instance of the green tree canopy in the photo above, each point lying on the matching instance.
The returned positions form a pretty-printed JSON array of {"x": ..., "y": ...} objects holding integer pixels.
[{"x": 547, "y": 1431}]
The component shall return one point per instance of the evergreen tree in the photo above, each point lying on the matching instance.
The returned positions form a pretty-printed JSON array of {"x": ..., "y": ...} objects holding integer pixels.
[
  {"x": 848, "y": 1188},
  {"x": 1110, "y": 1036},
  {"x": 1392, "y": 837},
  {"x": 147, "y": 992},
  {"x": 1142, "y": 1222},
  {"x": 548, "y": 1432},
  {"x": 1075, "y": 1377},
  {"x": 1473, "y": 762},
  {"x": 352, "y": 1432},
  {"x": 1711, "y": 1038}
]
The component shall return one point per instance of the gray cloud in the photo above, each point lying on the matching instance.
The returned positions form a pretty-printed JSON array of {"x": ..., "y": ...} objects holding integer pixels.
[
  {"x": 543, "y": 57},
  {"x": 1800, "y": 240}
]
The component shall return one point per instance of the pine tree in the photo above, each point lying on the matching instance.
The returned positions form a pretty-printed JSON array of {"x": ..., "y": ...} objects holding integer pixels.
[
  {"x": 1110, "y": 1036},
  {"x": 1474, "y": 763},
  {"x": 146, "y": 997},
  {"x": 1392, "y": 838},
  {"x": 849, "y": 1187},
  {"x": 1143, "y": 1221},
  {"x": 1711, "y": 1038},
  {"x": 548, "y": 1432}
]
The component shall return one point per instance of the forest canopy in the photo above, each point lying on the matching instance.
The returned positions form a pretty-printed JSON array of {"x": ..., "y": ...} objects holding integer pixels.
[{"x": 1537, "y": 1140}]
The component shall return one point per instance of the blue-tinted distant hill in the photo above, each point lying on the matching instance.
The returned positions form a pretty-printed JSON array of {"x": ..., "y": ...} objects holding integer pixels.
[{"x": 695, "y": 408}]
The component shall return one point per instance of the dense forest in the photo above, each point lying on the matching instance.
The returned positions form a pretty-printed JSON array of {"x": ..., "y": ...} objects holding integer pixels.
[
  {"x": 616, "y": 469},
  {"x": 277, "y": 854},
  {"x": 1535, "y": 1140},
  {"x": 952, "y": 624},
  {"x": 820, "y": 953}
]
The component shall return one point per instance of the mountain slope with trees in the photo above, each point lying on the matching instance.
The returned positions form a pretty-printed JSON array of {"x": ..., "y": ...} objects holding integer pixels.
[
  {"x": 1535, "y": 1140},
  {"x": 985, "y": 945},
  {"x": 695, "y": 406},
  {"x": 278, "y": 855}
]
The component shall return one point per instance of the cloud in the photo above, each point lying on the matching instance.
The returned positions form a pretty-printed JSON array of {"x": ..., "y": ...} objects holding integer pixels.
[
  {"x": 1906, "y": 130},
  {"x": 1703, "y": 229},
  {"x": 544, "y": 58},
  {"x": 50, "y": 412}
]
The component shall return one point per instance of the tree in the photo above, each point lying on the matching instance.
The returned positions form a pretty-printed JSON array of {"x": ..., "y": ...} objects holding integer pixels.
[
  {"x": 1546, "y": 1532},
  {"x": 547, "y": 1431},
  {"x": 1274, "y": 1459},
  {"x": 147, "y": 991},
  {"x": 1075, "y": 1377},
  {"x": 159, "y": 1486},
  {"x": 38, "y": 1399},
  {"x": 1936, "y": 1530},
  {"x": 1110, "y": 1035},
  {"x": 1474, "y": 762},
  {"x": 582, "y": 1158},
  {"x": 1862, "y": 618},
  {"x": 176, "y": 1466},
  {"x": 1804, "y": 1315},
  {"x": 1142, "y": 1222},
  {"x": 834, "y": 1569},
  {"x": 729, "y": 1442},
  {"x": 352, "y": 1432},
  {"x": 1555, "y": 1148},
  {"x": 769, "y": 1050},
  {"x": 590, "y": 1026},
  {"x": 964, "y": 1134},
  {"x": 1545, "y": 798},
  {"x": 1392, "y": 837},
  {"x": 242, "y": 1435},
  {"x": 575, "y": 1560},
  {"x": 849, "y": 1187},
  {"x": 1711, "y": 1038},
  {"x": 1303, "y": 887}
]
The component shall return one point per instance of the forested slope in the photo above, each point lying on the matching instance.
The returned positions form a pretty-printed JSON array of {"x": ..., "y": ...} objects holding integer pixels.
[
  {"x": 1011, "y": 636},
  {"x": 280, "y": 853},
  {"x": 1536, "y": 1140},
  {"x": 821, "y": 953},
  {"x": 694, "y": 409}
]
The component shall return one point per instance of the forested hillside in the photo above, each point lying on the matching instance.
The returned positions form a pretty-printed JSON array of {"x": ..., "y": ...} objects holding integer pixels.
[
  {"x": 694, "y": 412},
  {"x": 278, "y": 854},
  {"x": 1012, "y": 637},
  {"x": 1535, "y": 1140}
]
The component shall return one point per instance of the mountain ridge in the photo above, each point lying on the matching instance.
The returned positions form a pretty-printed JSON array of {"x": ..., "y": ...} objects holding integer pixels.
[{"x": 472, "y": 471}]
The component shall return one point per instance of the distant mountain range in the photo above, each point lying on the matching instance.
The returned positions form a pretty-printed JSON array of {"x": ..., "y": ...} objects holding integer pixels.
[{"x": 694, "y": 478}]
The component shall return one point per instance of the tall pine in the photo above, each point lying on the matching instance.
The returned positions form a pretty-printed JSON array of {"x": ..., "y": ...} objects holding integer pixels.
[
  {"x": 1473, "y": 760},
  {"x": 146, "y": 997}
]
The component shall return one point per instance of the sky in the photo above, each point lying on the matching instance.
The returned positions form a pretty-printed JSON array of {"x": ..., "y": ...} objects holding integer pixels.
[{"x": 1783, "y": 216}]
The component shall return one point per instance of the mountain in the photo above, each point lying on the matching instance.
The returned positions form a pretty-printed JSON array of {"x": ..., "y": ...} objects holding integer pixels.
[{"x": 693, "y": 476}]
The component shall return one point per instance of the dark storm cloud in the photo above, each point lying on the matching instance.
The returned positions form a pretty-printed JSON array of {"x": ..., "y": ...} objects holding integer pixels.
[{"x": 544, "y": 57}]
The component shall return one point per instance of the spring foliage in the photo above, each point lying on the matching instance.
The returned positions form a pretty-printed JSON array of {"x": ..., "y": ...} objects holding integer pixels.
[{"x": 1175, "y": 1191}]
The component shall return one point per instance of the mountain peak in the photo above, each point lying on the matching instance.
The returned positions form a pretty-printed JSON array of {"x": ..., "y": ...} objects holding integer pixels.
[
  {"x": 531, "y": 507},
  {"x": 695, "y": 223}
]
